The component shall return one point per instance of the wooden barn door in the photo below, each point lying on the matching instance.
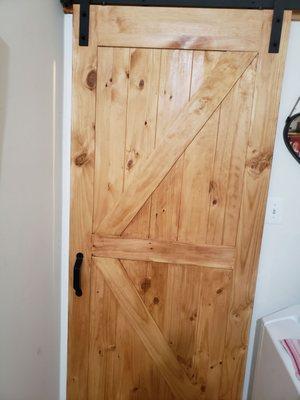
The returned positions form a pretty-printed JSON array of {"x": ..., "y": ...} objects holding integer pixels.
[{"x": 174, "y": 115}]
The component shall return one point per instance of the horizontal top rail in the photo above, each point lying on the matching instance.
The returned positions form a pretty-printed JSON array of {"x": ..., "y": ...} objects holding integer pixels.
[{"x": 279, "y": 6}]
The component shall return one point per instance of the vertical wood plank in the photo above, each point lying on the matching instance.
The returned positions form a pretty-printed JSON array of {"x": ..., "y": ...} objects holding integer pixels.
[
  {"x": 259, "y": 154},
  {"x": 198, "y": 163},
  {"x": 138, "y": 374},
  {"x": 112, "y": 93},
  {"x": 227, "y": 179},
  {"x": 82, "y": 172},
  {"x": 141, "y": 125},
  {"x": 210, "y": 335},
  {"x": 174, "y": 92},
  {"x": 111, "y": 118}
]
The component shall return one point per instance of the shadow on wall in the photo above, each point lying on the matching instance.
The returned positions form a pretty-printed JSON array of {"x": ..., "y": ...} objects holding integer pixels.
[{"x": 4, "y": 57}]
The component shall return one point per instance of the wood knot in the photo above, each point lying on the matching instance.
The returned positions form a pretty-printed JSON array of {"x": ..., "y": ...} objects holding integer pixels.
[
  {"x": 141, "y": 84},
  {"x": 219, "y": 291},
  {"x": 81, "y": 159},
  {"x": 186, "y": 362},
  {"x": 91, "y": 79},
  {"x": 155, "y": 300},
  {"x": 201, "y": 105},
  {"x": 193, "y": 317},
  {"x": 259, "y": 163},
  {"x": 146, "y": 284},
  {"x": 130, "y": 164}
]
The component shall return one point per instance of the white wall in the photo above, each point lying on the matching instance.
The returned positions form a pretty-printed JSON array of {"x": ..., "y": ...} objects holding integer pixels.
[
  {"x": 65, "y": 201},
  {"x": 278, "y": 283},
  {"x": 31, "y": 56}
]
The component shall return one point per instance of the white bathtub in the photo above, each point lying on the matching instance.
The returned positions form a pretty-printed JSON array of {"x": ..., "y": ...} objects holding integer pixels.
[{"x": 274, "y": 375}]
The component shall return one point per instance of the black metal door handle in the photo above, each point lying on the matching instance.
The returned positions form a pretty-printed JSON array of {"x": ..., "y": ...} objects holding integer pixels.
[{"x": 76, "y": 274}]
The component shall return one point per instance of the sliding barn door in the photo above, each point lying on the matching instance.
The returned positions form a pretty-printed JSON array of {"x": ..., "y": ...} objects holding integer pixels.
[{"x": 174, "y": 115}]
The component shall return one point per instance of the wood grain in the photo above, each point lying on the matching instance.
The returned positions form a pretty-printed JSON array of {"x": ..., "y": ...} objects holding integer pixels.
[
  {"x": 198, "y": 29},
  {"x": 111, "y": 109},
  {"x": 145, "y": 327},
  {"x": 258, "y": 164},
  {"x": 174, "y": 93},
  {"x": 179, "y": 135},
  {"x": 198, "y": 163},
  {"x": 164, "y": 252},
  {"x": 82, "y": 186},
  {"x": 226, "y": 180},
  {"x": 177, "y": 176}
]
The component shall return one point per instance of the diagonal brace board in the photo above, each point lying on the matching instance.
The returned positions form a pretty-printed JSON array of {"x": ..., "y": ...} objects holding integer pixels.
[
  {"x": 178, "y": 136},
  {"x": 146, "y": 328}
]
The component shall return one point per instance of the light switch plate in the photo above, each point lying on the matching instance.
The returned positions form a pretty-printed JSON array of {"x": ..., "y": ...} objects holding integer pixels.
[{"x": 274, "y": 211}]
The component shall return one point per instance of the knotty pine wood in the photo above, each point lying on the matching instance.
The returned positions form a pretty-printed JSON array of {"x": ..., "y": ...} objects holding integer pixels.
[
  {"x": 186, "y": 306},
  {"x": 179, "y": 134},
  {"x": 197, "y": 28},
  {"x": 164, "y": 252},
  {"x": 81, "y": 208},
  {"x": 255, "y": 189},
  {"x": 146, "y": 328}
]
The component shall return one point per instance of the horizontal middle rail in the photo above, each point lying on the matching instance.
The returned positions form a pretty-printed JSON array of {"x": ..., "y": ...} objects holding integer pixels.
[{"x": 164, "y": 252}]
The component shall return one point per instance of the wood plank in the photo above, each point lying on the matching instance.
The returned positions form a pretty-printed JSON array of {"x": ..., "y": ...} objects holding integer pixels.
[
  {"x": 81, "y": 209},
  {"x": 165, "y": 252},
  {"x": 258, "y": 164},
  {"x": 145, "y": 327},
  {"x": 214, "y": 302},
  {"x": 112, "y": 89},
  {"x": 198, "y": 162},
  {"x": 174, "y": 93},
  {"x": 226, "y": 181},
  {"x": 179, "y": 135},
  {"x": 104, "y": 365},
  {"x": 141, "y": 124},
  {"x": 111, "y": 108},
  {"x": 198, "y": 29},
  {"x": 138, "y": 374}
]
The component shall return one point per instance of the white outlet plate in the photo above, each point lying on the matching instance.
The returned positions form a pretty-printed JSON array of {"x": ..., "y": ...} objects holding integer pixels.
[{"x": 274, "y": 211}]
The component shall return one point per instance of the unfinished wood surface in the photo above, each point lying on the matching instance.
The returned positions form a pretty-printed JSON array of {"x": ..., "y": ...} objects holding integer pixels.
[
  {"x": 164, "y": 252},
  {"x": 180, "y": 133},
  {"x": 197, "y": 28},
  {"x": 82, "y": 172},
  {"x": 184, "y": 136},
  {"x": 146, "y": 328}
]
